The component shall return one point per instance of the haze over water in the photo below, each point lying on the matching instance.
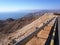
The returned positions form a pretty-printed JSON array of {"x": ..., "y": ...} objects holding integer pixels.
[{"x": 9, "y": 8}]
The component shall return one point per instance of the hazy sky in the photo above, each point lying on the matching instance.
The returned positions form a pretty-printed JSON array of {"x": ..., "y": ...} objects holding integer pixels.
[{"x": 15, "y": 5}]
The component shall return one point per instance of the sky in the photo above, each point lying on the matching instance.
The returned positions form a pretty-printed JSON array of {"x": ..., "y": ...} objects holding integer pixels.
[{"x": 19, "y": 5}]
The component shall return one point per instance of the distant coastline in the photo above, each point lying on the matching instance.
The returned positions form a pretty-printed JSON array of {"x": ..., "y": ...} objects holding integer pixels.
[{"x": 20, "y": 14}]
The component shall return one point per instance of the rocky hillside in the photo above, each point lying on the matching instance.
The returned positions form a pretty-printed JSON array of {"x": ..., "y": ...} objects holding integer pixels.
[{"x": 10, "y": 25}]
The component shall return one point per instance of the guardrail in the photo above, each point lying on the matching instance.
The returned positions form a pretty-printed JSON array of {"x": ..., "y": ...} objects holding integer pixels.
[
  {"x": 24, "y": 40},
  {"x": 52, "y": 36}
]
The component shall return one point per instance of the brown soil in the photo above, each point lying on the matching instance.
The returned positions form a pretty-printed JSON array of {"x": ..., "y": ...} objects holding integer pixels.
[{"x": 41, "y": 36}]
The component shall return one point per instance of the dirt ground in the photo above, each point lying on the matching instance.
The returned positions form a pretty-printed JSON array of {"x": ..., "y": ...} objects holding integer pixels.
[{"x": 27, "y": 29}]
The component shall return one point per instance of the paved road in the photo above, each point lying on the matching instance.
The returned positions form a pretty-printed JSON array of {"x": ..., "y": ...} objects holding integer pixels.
[{"x": 59, "y": 29}]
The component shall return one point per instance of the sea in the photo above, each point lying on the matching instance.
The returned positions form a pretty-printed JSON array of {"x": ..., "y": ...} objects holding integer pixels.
[
  {"x": 17, "y": 14},
  {"x": 14, "y": 15}
]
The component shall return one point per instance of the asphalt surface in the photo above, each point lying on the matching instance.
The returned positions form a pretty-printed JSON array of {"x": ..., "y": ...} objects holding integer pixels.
[{"x": 59, "y": 29}]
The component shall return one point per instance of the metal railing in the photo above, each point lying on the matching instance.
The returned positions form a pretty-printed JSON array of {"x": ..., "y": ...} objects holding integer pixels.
[{"x": 51, "y": 40}]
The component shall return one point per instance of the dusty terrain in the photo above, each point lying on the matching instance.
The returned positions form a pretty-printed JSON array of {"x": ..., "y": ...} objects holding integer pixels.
[
  {"x": 6, "y": 39},
  {"x": 11, "y": 25}
]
